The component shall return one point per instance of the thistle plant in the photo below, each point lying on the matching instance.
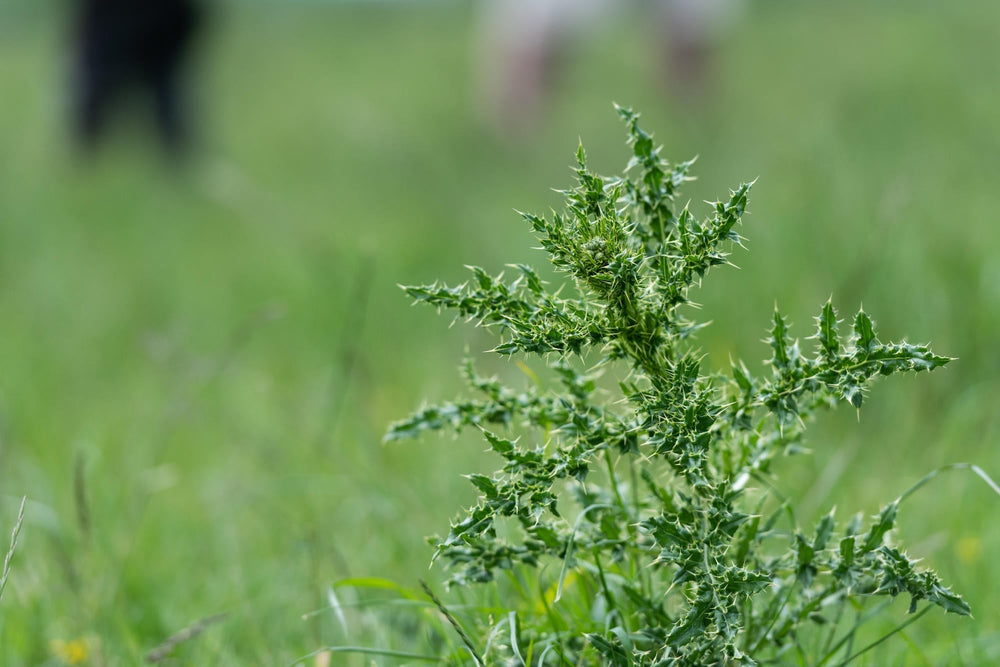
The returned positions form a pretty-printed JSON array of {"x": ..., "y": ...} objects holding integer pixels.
[{"x": 637, "y": 485}]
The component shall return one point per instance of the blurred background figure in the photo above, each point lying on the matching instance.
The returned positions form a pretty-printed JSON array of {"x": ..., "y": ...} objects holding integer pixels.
[
  {"x": 123, "y": 47},
  {"x": 521, "y": 47},
  {"x": 524, "y": 43},
  {"x": 692, "y": 29}
]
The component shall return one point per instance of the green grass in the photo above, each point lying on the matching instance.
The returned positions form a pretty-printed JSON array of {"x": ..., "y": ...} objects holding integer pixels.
[{"x": 220, "y": 347}]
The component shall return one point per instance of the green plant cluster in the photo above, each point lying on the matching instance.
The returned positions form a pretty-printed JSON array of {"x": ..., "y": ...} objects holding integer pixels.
[{"x": 658, "y": 507}]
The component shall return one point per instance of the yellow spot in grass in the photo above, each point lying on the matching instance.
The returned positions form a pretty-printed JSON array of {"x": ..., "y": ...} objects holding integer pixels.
[
  {"x": 72, "y": 652},
  {"x": 550, "y": 593},
  {"x": 968, "y": 549}
]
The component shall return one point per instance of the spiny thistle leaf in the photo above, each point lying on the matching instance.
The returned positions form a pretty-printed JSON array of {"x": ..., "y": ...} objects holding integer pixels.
[
  {"x": 829, "y": 341},
  {"x": 784, "y": 347},
  {"x": 864, "y": 331},
  {"x": 883, "y": 524}
]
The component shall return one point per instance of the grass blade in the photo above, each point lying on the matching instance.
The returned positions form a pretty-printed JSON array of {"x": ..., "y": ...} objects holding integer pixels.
[
  {"x": 366, "y": 650},
  {"x": 454, "y": 623},
  {"x": 13, "y": 545}
]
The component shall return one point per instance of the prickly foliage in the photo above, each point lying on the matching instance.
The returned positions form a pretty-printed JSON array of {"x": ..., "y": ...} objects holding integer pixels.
[{"x": 651, "y": 505}]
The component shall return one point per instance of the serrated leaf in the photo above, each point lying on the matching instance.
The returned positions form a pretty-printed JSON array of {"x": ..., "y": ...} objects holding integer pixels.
[
  {"x": 484, "y": 484},
  {"x": 852, "y": 393},
  {"x": 746, "y": 582},
  {"x": 883, "y": 524},
  {"x": 855, "y": 524},
  {"x": 823, "y": 531},
  {"x": 829, "y": 340},
  {"x": 742, "y": 376},
  {"x": 864, "y": 331},
  {"x": 533, "y": 281},
  {"x": 500, "y": 445},
  {"x": 847, "y": 551},
  {"x": 482, "y": 278},
  {"x": 614, "y": 652},
  {"x": 780, "y": 341},
  {"x": 693, "y": 623},
  {"x": 804, "y": 554},
  {"x": 949, "y": 601}
]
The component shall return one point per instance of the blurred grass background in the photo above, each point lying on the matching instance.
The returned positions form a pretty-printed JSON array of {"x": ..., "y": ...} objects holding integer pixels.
[{"x": 210, "y": 354}]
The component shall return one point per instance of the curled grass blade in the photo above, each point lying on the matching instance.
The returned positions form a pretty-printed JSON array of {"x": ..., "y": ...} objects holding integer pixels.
[
  {"x": 377, "y": 583},
  {"x": 572, "y": 543},
  {"x": 951, "y": 466},
  {"x": 512, "y": 616}
]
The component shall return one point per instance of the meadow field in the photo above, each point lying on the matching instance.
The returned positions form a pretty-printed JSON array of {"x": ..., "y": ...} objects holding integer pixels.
[{"x": 198, "y": 361}]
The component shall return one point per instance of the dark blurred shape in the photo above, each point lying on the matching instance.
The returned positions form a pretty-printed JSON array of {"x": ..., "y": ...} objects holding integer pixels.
[{"x": 125, "y": 45}]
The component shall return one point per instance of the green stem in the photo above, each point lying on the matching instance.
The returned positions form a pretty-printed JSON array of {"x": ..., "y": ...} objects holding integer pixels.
[
  {"x": 862, "y": 619},
  {"x": 612, "y": 606},
  {"x": 630, "y": 526},
  {"x": 774, "y": 619},
  {"x": 875, "y": 643}
]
